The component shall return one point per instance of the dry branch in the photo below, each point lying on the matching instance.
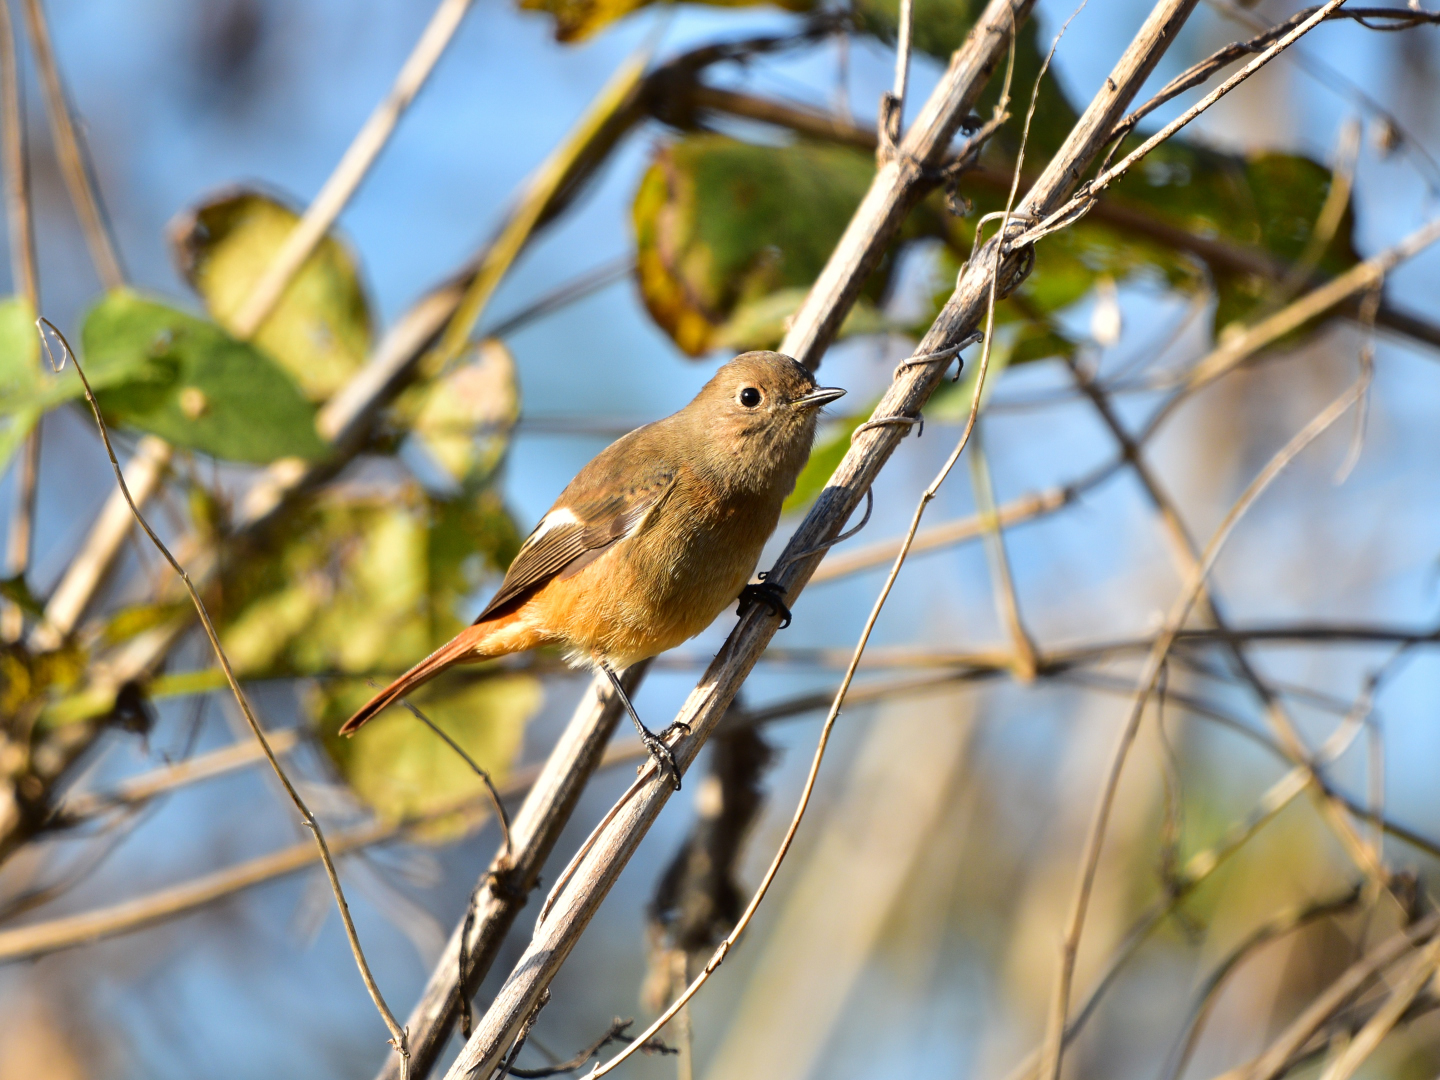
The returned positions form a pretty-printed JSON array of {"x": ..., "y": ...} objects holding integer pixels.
[
  {"x": 1053, "y": 1052},
  {"x": 353, "y": 167},
  {"x": 75, "y": 165},
  {"x": 139, "y": 790},
  {"x": 20, "y": 219},
  {"x": 28, "y": 942},
  {"x": 1292, "y": 1041}
]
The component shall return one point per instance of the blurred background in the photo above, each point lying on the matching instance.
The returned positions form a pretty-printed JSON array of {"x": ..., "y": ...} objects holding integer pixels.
[{"x": 915, "y": 928}]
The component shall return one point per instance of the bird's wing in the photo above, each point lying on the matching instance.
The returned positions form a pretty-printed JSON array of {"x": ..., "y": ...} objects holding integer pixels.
[{"x": 601, "y": 506}]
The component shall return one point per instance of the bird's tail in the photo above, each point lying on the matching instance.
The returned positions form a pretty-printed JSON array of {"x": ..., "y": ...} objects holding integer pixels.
[{"x": 469, "y": 644}]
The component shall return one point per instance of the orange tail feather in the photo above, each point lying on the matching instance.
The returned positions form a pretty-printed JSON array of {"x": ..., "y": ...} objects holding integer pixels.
[{"x": 466, "y": 645}]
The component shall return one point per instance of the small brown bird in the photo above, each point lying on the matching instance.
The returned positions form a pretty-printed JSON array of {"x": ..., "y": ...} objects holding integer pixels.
[{"x": 653, "y": 538}]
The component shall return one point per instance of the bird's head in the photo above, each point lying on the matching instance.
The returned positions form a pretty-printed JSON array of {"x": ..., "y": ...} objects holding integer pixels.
[{"x": 757, "y": 418}]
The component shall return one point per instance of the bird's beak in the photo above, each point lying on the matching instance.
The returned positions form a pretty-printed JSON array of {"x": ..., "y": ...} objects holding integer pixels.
[{"x": 822, "y": 396}]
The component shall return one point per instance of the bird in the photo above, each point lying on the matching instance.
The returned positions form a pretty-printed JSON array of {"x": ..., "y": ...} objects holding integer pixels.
[{"x": 655, "y": 537}]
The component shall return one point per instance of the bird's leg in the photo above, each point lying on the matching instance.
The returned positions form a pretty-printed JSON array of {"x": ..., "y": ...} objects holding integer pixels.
[
  {"x": 767, "y": 593},
  {"x": 653, "y": 743}
]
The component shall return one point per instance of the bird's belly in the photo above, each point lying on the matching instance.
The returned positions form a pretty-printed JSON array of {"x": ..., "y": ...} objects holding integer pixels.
[{"x": 653, "y": 590}]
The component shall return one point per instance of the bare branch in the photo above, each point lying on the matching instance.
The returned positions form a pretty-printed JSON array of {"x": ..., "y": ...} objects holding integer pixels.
[
  {"x": 75, "y": 164},
  {"x": 144, "y": 473},
  {"x": 397, "y": 1034},
  {"x": 20, "y": 218},
  {"x": 1053, "y": 1051},
  {"x": 141, "y": 789},
  {"x": 1275, "y": 1060},
  {"x": 346, "y": 178},
  {"x": 1286, "y": 922}
]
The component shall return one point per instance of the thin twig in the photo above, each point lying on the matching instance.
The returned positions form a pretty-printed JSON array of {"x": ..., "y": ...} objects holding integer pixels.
[
  {"x": 1277, "y": 1057},
  {"x": 1002, "y": 581},
  {"x": 20, "y": 218},
  {"x": 397, "y": 1035},
  {"x": 70, "y": 149},
  {"x": 348, "y": 174},
  {"x": 19, "y": 212},
  {"x": 1052, "y": 1054},
  {"x": 1277, "y": 926},
  {"x": 139, "y": 790},
  {"x": 1078, "y": 205},
  {"x": 495, "y": 800},
  {"x": 1234, "y": 351},
  {"x": 1414, "y": 980},
  {"x": 1328, "y": 221},
  {"x": 144, "y": 473}
]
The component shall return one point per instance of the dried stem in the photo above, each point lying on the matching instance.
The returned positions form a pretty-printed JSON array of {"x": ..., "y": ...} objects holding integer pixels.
[
  {"x": 1053, "y": 1051},
  {"x": 346, "y": 178},
  {"x": 1278, "y": 926},
  {"x": 1277, "y": 1057},
  {"x": 75, "y": 164},
  {"x": 144, "y": 473},
  {"x": 139, "y": 790},
  {"x": 1411, "y": 983},
  {"x": 19, "y": 212},
  {"x": 1007, "y": 603},
  {"x": 1019, "y": 511},
  {"x": 397, "y": 1035},
  {"x": 1077, "y": 206},
  {"x": 20, "y": 218}
]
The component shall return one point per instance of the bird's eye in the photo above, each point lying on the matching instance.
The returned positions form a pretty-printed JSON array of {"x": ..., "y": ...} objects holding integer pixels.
[{"x": 749, "y": 397}]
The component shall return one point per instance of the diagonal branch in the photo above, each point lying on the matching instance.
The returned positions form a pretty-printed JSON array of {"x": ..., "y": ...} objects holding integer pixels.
[
  {"x": 895, "y": 189},
  {"x": 913, "y": 384},
  {"x": 397, "y": 1034},
  {"x": 346, "y": 178}
]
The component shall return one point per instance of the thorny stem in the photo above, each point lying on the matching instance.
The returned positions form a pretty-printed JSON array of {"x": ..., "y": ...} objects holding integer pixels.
[{"x": 397, "y": 1035}]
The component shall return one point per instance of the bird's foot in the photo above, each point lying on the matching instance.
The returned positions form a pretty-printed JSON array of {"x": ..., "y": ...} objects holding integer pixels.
[
  {"x": 769, "y": 594},
  {"x": 679, "y": 727},
  {"x": 660, "y": 752}
]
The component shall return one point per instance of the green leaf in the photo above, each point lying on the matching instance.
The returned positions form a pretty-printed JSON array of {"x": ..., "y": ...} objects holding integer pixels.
[
  {"x": 19, "y": 375},
  {"x": 186, "y": 380},
  {"x": 402, "y": 769},
  {"x": 19, "y": 344},
  {"x": 18, "y": 593},
  {"x": 829, "y": 449},
  {"x": 727, "y": 233},
  {"x": 463, "y": 418},
  {"x": 362, "y": 583},
  {"x": 319, "y": 331},
  {"x": 938, "y": 27}
]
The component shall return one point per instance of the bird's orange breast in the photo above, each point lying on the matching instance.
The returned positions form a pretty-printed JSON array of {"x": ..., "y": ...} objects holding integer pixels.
[{"x": 661, "y": 585}]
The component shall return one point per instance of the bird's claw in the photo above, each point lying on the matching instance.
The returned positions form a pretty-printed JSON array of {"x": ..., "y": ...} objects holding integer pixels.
[
  {"x": 664, "y": 760},
  {"x": 769, "y": 594}
]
